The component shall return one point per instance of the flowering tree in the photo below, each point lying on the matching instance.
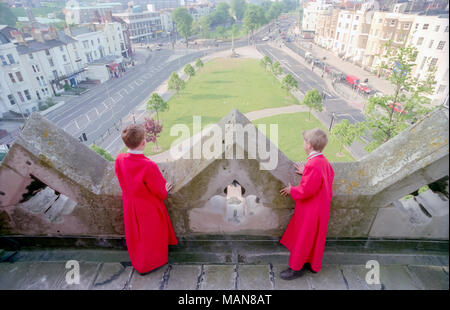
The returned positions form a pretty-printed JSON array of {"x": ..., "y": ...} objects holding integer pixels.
[{"x": 152, "y": 130}]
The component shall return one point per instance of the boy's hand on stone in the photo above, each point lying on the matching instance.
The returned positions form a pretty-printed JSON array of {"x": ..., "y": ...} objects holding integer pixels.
[
  {"x": 299, "y": 168},
  {"x": 286, "y": 191},
  {"x": 168, "y": 186}
]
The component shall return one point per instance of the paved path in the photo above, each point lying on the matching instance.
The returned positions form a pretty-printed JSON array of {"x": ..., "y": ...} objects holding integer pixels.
[{"x": 111, "y": 270}]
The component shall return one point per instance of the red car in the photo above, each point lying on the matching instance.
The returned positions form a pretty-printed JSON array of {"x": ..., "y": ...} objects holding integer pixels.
[
  {"x": 364, "y": 87},
  {"x": 352, "y": 80},
  {"x": 398, "y": 107}
]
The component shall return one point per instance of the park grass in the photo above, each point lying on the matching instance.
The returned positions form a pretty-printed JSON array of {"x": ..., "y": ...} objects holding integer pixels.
[
  {"x": 222, "y": 85},
  {"x": 290, "y": 140}
]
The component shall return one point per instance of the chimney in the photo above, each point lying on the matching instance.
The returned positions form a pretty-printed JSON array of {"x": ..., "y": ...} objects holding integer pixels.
[
  {"x": 67, "y": 31},
  {"x": 53, "y": 33},
  {"x": 37, "y": 35},
  {"x": 108, "y": 16},
  {"x": 17, "y": 35}
]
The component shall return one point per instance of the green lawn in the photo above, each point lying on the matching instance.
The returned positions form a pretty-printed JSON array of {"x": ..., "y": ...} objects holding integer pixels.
[
  {"x": 290, "y": 140},
  {"x": 217, "y": 88}
]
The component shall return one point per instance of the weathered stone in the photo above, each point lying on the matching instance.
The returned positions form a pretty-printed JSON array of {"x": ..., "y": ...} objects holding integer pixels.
[
  {"x": 360, "y": 191},
  {"x": 355, "y": 276},
  {"x": 330, "y": 277},
  {"x": 218, "y": 277},
  {"x": 31, "y": 275},
  {"x": 407, "y": 218},
  {"x": 88, "y": 273},
  {"x": 113, "y": 276},
  {"x": 254, "y": 277},
  {"x": 431, "y": 277},
  {"x": 296, "y": 284},
  {"x": 397, "y": 278},
  {"x": 435, "y": 203},
  {"x": 151, "y": 281},
  {"x": 183, "y": 277}
]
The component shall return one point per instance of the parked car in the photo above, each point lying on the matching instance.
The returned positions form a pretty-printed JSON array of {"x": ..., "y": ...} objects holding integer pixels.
[
  {"x": 364, "y": 88},
  {"x": 319, "y": 63},
  {"x": 352, "y": 80},
  {"x": 265, "y": 38},
  {"x": 398, "y": 107}
]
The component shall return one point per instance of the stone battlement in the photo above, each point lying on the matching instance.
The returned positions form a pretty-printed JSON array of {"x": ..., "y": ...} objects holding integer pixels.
[{"x": 88, "y": 202}]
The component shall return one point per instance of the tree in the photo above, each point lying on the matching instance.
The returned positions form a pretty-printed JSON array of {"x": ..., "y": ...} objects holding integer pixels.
[
  {"x": 183, "y": 20},
  {"x": 238, "y": 8},
  {"x": 388, "y": 115},
  {"x": 251, "y": 19},
  {"x": 220, "y": 32},
  {"x": 266, "y": 62},
  {"x": 275, "y": 10},
  {"x": 102, "y": 152},
  {"x": 7, "y": 17},
  {"x": 156, "y": 104},
  {"x": 189, "y": 70},
  {"x": 152, "y": 130},
  {"x": 345, "y": 133},
  {"x": 289, "y": 83},
  {"x": 199, "y": 63},
  {"x": 221, "y": 15},
  {"x": 201, "y": 26},
  {"x": 276, "y": 68},
  {"x": 175, "y": 83},
  {"x": 313, "y": 100}
]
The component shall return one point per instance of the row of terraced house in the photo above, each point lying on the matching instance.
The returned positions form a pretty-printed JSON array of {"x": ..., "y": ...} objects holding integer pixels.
[
  {"x": 360, "y": 37},
  {"x": 41, "y": 62}
]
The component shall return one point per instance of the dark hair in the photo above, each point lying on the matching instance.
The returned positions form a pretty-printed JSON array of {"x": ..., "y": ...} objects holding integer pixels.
[{"x": 132, "y": 135}]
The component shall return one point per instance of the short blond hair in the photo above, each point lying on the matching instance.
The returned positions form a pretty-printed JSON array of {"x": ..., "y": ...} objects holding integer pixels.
[
  {"x": 317, "y": 138},
  {"x": 132, "y": 135}
]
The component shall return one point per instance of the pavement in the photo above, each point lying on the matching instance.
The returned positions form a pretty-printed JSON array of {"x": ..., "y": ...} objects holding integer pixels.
[{"x": 52, "y": 269}]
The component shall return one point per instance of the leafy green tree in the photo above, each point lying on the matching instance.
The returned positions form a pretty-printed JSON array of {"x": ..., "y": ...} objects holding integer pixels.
[
  {"x": 252, "y": 19},
  {"x": 102, "y": 152},
  {"x": 221, "y": 15},
  {"x": 313, "y": 100},
  {"x": 388, "y": 115},
  {"x": 266, "y": 62},
  {"x": 199, "y": 63},
  {"x": 275, "y": 10},
  {"x": 202, "y": 26},
  {"x": 156, "y": 104},
  {"x": 183, "y": 20},
  {"x": 7, "y": 17},
  {"x": 276, "y": 68},
  {"x": 238, "y": 8},
  {"x": 345, "y": 133},
  {"x": 289, "y": 83},
  {"x": 220, "y": 32},
  {"x": 189, "y": 70},
  {"x": 175, "y": 83}
]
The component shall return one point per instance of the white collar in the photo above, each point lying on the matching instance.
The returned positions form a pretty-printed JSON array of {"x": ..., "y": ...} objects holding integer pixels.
[
  {"x": 313, "y": 152},
  {"x": 135, "y": 152}
]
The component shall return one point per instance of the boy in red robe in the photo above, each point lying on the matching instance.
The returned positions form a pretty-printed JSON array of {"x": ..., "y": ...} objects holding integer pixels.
[
  {"x": 306, "y": 232},
  {"x": 148, "y": 229}
]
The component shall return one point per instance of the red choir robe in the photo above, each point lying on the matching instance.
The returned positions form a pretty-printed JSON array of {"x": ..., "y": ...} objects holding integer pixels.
[
  {"x": 306, "y": 232},
  {"x": 148, "y": 229}
]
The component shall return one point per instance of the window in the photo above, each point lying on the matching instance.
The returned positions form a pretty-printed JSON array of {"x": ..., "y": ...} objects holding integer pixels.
[
  {"x": 55, "y": 74},
  {"x": 98, "y": 40},
  {"x": 423, "y": 62},
  {"x": 19, "y": 76},
  {"x": 50, "y": 61},
  {"x": 357, "y": 17},
  {"x": 392, "y": 23},
  {"x": 417, "y": 27},
  {"x": 20, "y": 96},
  {"x": 431, "y": 44},
  {"x": 432, "y": 64},
  {"x": 92, "y": 42},
  {"x": 11, "y": 59},
  {"x": 27, "y": 94},
  {"x": 425, "y": 26},
  {"x": 47, "y": 52},
  {"x": 86, "y": 44},
  {"x": 420, "y": 41},
  {"x": 441, "y": 45},
  {"x": 64, "y": 58},
  {"x": 11, "y": 77},
  {"x": 406, "y": 26},
  {"x": 2, "y": 58},
  {"x": 43, "y": 81},
  {"x": 38, "y": 96},
  {"x": 30, "y": 56},
  {"x": 441, "y": 88},
  {"x": 437, "y": 28},
  {"x": 34, "y": 69},
  {"x": 446, "y": 29},
  {"x": 61, "y": 48},
  {"x": 37, "y": 68},
  {"x": 11, "y": 99},
  {"x": 354, "y": 27}
]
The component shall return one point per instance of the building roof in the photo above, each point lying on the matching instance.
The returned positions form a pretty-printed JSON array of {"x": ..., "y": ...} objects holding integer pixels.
[
  {"x": 63, "y": 37},
  {"x": 80, "y": 30},
  {"x": 35, "y": 46}
]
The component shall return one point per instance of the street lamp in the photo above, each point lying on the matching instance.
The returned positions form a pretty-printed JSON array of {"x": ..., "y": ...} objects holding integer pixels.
[{"x": 332, "y": 118}]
